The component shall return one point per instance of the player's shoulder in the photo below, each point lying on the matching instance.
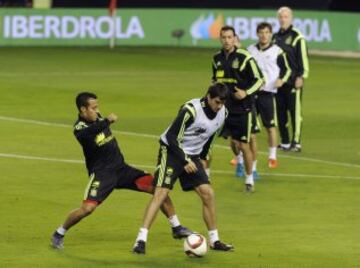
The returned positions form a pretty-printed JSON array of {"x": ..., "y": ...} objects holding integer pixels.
[
  {"x": 190, "y": 106},
  {"x": 252, "y": 48},
  {"x": 80, "y": 124},
  {"x": 297, "y": 35},
  {"x": 217, "y": 54},
  {"x": 276, "y": 34},
  {"x": 243, "y": 52},
  {"x": 276, "y": 49},
  {"x": 296, "y": 32},
  {"x": 224, "y": 111}
]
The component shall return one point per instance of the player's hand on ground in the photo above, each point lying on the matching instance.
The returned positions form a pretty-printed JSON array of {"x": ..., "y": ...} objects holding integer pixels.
[
  {"x": 190, "y": 167},
  {"x": 112, "y": 117},
  {"x": 299, "y": 82},
  {"x": 240, "y": 94},
  {"x": 279, "y": 83}
]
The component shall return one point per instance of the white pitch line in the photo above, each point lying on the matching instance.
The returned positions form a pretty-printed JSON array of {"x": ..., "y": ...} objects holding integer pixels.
[
  {"x": 73, "y": 161},
  {"x": 44, "y": 123},
  {"x": 34, "y": 122},
  {"x": 305, "y": 159},
  {"x": 28, "y": 157},
  {"x": 91, "y": 73},
  {"x": 144, "y": 135}
]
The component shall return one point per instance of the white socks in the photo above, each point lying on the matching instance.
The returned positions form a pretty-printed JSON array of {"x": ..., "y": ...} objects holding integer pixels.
[
  {"x": 61, "y": 230},
  {"x": 249, "y": 179},
  {"x": 174, "y": 221},
  {"x": 272, "y": 152},
  {"x": 213, "y": 236},
  {"x": 143, "y": 232},
  {"x": 254, "y": 165}
]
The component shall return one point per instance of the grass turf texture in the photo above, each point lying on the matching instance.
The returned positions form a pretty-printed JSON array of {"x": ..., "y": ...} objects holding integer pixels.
[{"x": 289, "y": 222}]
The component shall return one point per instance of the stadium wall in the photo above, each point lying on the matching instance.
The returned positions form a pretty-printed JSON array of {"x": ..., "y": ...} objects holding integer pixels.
[{"x": 334, "y": 31}]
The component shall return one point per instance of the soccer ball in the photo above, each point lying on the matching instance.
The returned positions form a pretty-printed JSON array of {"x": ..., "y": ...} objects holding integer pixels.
[{"x": 195, "y": 245}]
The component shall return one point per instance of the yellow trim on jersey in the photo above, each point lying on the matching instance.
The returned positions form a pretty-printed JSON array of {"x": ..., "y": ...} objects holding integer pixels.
[
  {"x": 296, "y": 40},
  {"x": 214, "y": 64},
  {"x": 298, "y": 117},
  {"x": 162, "y": 167},
  {"x": 92, "y": 177},
  {"x": 247, "y": 57},
  {"x": 226, "y": 80},
  {"x": 275, "y": 112},
  {"x": 191, "y": 109},
  {"x": 243, "y": 65},
  {"x": 180, "y": 136},
  {"x": 288, "y": 69},
  {"x": 298, "y": 37},
  {"x": 304, "y": 58},
  {"x": 244, "y": 52},
  {"x": 249, "y": 125},
  {"x": 258, "y": 84}
]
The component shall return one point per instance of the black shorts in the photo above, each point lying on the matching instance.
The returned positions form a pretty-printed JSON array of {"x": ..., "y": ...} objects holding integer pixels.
[
  {"x": 238, "y": 126},
  {"x": 169, "y": 169},
  {"x": 103, "y": 182},
  {"x": 266, "y": 107}
]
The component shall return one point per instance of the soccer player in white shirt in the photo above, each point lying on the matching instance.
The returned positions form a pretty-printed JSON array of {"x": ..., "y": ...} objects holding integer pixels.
[
  {"x": 273, "y": 62},
  {"x": 182, "y": 147}
]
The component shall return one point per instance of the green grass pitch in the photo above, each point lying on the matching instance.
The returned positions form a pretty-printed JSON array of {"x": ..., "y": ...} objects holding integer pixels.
[{"x": 303, "y": 214}]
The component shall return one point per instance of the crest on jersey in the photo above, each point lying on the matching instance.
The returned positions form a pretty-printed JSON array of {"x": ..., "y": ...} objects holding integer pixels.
[
  {"x": 288, "y": 40},
  {"x": 235, "y": 64}
]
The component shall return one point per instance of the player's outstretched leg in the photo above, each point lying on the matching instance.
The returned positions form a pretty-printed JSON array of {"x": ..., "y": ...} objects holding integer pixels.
[
  {"x": 157, "y": 200},
  {"x": 145, "y": 183},
  {"x": 57, "y": 239}
]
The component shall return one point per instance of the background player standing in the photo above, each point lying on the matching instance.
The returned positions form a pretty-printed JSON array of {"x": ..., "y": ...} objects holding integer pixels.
[
  {"x": 238, "y": 70},
  {"x": 289, "y": 96},
  {"x": 274, "y": 65}
]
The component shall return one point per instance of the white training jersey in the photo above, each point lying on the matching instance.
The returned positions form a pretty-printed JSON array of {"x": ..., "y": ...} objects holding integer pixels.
[
  {"x": 267, "y": 62},
  {"x": 198, "y": 133}
]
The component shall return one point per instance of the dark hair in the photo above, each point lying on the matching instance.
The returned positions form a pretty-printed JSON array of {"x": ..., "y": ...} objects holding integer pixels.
[
  {"x": 227, "y": 28},
  {"x": 82, "y": 99},
  {"x": 262, "y": 26},
  {"x": 218, "y": 90}
]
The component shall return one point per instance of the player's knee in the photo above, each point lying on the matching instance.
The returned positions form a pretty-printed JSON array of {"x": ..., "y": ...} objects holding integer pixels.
[
  {"x": 160, "y": 195},
  {"x": 207, "y": 194},
  {"x": 87, "y": 209},
  {"x": 244, "y": 146}
]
